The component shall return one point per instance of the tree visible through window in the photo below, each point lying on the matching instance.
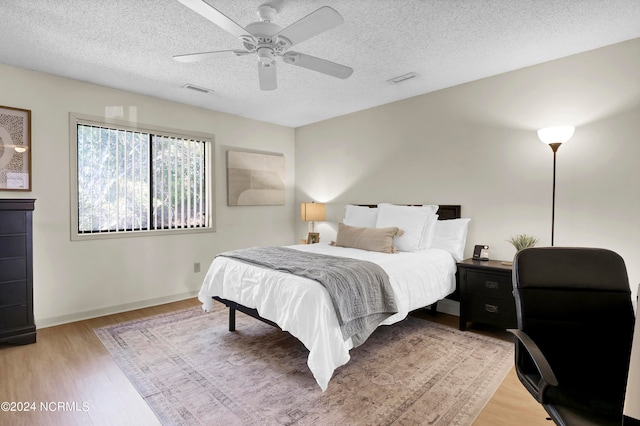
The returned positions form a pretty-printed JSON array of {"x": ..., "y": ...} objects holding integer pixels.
[{"x": 130, "y": 180}]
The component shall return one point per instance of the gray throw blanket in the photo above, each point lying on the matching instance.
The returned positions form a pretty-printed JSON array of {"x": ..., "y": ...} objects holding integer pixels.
[{"x": 360, "y": 291}]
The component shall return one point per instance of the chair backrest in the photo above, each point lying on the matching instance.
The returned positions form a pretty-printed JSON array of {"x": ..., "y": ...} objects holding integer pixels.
[{"x": 576, "y": 305}]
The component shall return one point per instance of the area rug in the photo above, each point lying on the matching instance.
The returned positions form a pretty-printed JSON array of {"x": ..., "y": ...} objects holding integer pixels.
[{"x": 192, "y": 371}]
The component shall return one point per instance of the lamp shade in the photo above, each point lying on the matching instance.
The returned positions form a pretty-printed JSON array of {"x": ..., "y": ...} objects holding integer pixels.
[
  {"x": 311, "y": 212},
  {"x": 556, "y": 134}
]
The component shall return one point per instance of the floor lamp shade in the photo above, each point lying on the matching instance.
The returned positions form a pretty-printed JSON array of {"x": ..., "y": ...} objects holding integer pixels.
[
  {"x": 556, "y": 134},
  {"x": 312, "y": 212},
  {"x": 554, "y": 137}
]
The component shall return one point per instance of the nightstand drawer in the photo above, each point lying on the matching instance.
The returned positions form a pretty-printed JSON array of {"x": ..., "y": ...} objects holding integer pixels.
[
  {"x": 489, "y": 284},
  {"x": 491, "y": 310}
]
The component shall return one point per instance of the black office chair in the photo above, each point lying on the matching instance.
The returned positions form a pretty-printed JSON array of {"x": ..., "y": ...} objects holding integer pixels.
[{"x": 575, "y": 327}]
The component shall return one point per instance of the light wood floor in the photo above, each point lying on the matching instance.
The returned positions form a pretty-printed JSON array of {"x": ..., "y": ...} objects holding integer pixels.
[{"x": 72, "y": 380}]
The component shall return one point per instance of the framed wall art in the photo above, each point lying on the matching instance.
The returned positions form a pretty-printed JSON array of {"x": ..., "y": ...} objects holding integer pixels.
[
  {"x": 255, "y": 179},
  {"x": 15, "y": 149}
]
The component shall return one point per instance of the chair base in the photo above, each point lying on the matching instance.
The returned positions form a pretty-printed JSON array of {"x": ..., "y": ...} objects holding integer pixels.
[{"x": 569, "y": 416}]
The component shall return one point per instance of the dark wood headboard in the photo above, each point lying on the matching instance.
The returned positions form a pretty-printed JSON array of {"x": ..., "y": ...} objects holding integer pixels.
[{"x": 451, "y": 211}]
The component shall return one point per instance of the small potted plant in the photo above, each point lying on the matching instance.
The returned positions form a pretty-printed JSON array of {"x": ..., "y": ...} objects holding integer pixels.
[{"x": 521, "y": 241}]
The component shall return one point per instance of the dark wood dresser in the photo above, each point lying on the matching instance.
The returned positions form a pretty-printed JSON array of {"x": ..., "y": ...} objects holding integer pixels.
[
  {"x": 16, "y": 272},
  {"x": 486, "y": 293}
]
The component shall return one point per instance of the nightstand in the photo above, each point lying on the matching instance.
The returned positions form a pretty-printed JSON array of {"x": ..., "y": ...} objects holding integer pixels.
[{"x": 486, "y": 293}]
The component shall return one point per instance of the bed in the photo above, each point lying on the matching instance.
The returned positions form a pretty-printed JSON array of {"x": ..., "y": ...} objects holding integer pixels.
[{"x": 306, "y": 309}]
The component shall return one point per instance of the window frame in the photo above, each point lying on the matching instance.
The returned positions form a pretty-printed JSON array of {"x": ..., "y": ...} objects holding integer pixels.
[{"x": 77, "y": 118}]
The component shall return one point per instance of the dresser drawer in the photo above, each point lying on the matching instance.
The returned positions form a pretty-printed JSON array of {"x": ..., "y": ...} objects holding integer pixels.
[
  {"x": 13, "y": 222},
  {"x": 13, "y": 246},
  {"x": 489, "y": 284},
  {"x": 14, "y": 316},
  {"x": 491, "y": 310},
  {"x": 14, "y": 293},
  {"x": 13, "y": 269}
]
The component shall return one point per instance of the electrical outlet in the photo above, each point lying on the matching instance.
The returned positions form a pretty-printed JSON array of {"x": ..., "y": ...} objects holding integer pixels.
[{"x": 196, "y": 267}]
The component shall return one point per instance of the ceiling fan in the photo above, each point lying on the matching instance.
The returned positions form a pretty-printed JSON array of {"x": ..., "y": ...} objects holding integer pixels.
[{"x": 268, "y": 40}]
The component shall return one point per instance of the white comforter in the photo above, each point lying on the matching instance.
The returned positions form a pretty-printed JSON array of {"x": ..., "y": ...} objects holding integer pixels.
[{"x": 303, "y": 307}]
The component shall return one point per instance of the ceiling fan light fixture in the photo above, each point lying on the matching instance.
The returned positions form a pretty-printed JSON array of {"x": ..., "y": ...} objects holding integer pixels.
[
  {"x": 266, "y": 57},
  {"x": 269, "y": 40}
]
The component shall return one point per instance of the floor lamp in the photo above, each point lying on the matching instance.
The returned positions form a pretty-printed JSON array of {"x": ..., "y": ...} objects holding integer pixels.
[{"x": 554, "y": 137}]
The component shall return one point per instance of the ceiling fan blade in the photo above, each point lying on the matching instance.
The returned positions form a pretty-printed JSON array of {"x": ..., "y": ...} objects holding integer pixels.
[
  {"x": 317, "y": 64},
  {"x": 267, "y": 76},
  {"x": 214, "y": 15},
  {"x": 311, "y": 25},
  {"x": 196, "y": 57}
]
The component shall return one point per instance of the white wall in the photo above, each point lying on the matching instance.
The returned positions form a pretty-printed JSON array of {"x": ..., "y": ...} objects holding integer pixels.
[
  {"x": 74, "y": 280},
  {"x": 473, "y": 145},
  {"x": 476, "y": 145}
]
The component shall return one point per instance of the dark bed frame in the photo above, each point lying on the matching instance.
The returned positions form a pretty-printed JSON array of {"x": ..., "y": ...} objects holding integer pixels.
[{"x": 444, "y": 212}]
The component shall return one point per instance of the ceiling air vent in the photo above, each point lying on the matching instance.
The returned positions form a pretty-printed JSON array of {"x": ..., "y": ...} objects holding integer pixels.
[
  {"x": 402, "y": 78},
  {"x": 197, "y": 88}
]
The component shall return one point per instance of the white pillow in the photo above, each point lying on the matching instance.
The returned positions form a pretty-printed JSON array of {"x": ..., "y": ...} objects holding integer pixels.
[
  {"x": 430, "y": 228},
  {"x": 413, "y": 220},
  {"x": 451, "y": 235},
  {"x": 360, "y": 216},
  {"x": 429, "y": 232},
  {"x": 432, "y": 207}
]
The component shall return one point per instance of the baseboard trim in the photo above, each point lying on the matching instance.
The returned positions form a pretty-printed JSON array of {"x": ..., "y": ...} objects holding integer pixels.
[
  {"x": 445, "y": 306},
  {"x": 80, "y": 316}
]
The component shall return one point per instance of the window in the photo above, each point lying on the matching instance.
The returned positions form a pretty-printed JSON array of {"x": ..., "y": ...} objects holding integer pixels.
[{"x": 129, "y": 180}]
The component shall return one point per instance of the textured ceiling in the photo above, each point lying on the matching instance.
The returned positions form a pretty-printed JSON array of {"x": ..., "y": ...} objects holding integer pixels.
[{"x": 129, "y": 44}]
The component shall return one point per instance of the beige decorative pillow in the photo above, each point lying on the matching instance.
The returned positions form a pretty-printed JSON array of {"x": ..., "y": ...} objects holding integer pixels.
[{"x": 372, "y": 239}]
